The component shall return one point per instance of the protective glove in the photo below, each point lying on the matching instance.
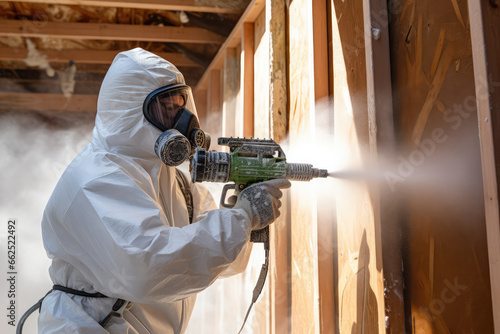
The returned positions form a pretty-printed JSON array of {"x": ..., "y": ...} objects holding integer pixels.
[{"x": 261, "y": 201}]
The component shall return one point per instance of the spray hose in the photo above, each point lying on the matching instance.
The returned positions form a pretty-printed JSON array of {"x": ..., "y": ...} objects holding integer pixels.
[{"x": 262, "y": 276}]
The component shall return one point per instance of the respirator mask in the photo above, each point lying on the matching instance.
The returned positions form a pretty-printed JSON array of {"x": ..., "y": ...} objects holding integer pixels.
[{"x": 171, "y": 109}]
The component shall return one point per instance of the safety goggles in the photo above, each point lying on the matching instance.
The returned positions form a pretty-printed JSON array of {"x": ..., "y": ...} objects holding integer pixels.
[{"x": 164, "y": 106}]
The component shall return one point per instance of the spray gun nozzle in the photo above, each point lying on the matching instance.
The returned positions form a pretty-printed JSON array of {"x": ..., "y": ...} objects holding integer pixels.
[{"x": 316, "y": 172}]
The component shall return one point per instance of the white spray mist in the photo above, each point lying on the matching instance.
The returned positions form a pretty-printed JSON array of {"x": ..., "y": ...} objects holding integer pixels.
[{"x": 33, "y": 158}]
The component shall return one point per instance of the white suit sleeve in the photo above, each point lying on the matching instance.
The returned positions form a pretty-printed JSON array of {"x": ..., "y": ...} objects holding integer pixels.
[
  {"x": 116, "y": 235},
  {"x": 204, "y": 202}
]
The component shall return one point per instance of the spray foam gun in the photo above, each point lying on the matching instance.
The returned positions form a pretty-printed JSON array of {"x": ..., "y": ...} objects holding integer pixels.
[{"x": 249, "y": 161}]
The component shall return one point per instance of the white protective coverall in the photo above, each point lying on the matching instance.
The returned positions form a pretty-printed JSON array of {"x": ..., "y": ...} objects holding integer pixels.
[{"x": 117, "y": 221}]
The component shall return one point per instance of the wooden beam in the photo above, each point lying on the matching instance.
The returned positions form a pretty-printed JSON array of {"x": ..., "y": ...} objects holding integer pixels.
[
  {"x": 173, "y": 5},
  {"x": 485, "y": 108},
  {"x": 250, "y": 14},
  {"x": 88, "y": 56},
  {"x": 36, "y": 75},
  {"x": 48, "y": 102},
  {"x": 47, "y": 86},
  {"x": 100, "y": 31}
]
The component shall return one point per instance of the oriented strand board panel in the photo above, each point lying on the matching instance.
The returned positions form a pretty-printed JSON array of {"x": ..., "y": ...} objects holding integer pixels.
[
  {"x": 447, "y": 282},
  {"x": 360, "y": 280}
]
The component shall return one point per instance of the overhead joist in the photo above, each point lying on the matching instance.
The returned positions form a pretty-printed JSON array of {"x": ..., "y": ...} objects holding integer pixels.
[
  {"x": 87, "y": 56},
  {"x": 250, "y": 14},
  {"x": 49, "y": 103},
  {"x": 219, "y": 7},
  {"x": 101, "y": 31}
]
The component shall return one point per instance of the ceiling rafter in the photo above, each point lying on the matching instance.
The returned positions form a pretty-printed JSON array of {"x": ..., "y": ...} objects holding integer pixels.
[
  {"x": 102, "y": 31},
  {"x": 48, "y": 102},
  {"x": 88, "y": 56},
  {"x": 172, "y": 5}
]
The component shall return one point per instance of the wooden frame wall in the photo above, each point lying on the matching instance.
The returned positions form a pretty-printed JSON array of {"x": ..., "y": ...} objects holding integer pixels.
[
  {"x": 301, "y": 275},
  {"x": 329, "y": 277}
]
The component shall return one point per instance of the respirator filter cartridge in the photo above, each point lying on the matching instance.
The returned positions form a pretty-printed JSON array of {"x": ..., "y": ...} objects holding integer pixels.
[{"x": 172, "y": 147}]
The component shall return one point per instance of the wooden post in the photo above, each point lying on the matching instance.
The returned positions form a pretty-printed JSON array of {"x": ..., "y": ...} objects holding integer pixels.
[
  {"x": 261, "y": 77},
  {"x": 280, "y": 267},
  {"x": 262, "y": 309},
  {"x": 201, "y": 101},
  {"x": 484, "y": 46},
  {"x": 276, "y": 27},
  {"x": 230, "y": 91},
  {"x": 382, "y": 140},
  {"x": 246, "y": 79},
  {"x": 213, "y": 119},
  {"x": 325, "y": 209}
]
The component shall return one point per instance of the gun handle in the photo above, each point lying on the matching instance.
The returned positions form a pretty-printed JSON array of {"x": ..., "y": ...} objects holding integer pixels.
[
  {"x": 260, "y": 235},
  {"x": 224, "y": 194}
]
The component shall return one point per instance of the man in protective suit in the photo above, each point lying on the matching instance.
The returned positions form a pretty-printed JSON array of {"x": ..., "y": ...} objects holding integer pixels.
[{"x": 125, "y": 258}]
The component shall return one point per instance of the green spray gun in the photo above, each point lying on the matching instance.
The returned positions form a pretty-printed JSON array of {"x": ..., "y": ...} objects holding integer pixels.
[{"x": 249, "y": 161}]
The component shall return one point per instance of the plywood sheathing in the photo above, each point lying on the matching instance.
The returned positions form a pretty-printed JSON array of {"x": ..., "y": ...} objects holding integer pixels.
[{"x": 447, "y": 288}]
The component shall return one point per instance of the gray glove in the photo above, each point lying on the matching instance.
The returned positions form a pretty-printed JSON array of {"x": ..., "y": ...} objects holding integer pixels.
[{"x": 262, "y": 202}]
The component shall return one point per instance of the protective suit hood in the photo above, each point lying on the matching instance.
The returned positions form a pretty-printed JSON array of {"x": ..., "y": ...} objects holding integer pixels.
[{"x": 120, "y": 124}]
